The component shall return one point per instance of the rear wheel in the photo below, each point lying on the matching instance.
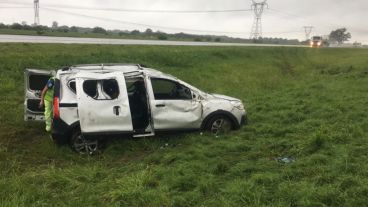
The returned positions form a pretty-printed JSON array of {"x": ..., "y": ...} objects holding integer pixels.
[
  {"x": 82, "y": 145},
  {"x": 219, "y": 124}
]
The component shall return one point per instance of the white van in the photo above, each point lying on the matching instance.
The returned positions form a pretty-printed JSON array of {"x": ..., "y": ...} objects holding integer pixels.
[{"x": 125, "y": 99}]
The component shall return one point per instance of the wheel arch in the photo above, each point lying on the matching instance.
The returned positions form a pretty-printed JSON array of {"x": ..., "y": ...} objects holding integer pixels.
[
  {"x": 229, "y": 115},
  {"x": 62, "y": 132},
  {"x": 75, "y": 126}
]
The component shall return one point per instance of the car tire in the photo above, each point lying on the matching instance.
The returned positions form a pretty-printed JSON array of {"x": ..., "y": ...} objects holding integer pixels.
[
  {"x": 81, "y": 145},
  {"x": 219, "y": 124}
]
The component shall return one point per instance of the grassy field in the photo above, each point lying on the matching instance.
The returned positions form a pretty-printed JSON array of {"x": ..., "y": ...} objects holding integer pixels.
[{"x": 308, "y": 104}]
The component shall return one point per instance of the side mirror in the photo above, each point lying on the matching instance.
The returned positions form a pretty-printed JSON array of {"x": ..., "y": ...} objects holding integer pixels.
[{"x": 194, "y": 96}]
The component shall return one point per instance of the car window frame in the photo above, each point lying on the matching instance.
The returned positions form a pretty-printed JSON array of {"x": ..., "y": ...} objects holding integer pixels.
[
  {"x": 99, "y": 90},
  {"x": 70, "y": 88},
  {"x": 176, "y": 83}
]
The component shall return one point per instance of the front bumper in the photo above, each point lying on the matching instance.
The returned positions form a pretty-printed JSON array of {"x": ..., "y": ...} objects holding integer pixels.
[{"x": 244, "y": 120}]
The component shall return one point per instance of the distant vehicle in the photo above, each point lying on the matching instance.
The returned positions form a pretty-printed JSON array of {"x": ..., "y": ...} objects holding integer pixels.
[
  {"x": 115, "y": 99},
  {"x": 316, "y": 41}
]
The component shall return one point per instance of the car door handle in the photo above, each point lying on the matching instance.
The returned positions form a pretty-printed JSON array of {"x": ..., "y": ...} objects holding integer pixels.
[
  {"x": 116, "y": 110},
  {"x": 38, "y": 94},
  {"x": 160, "y": 105}
]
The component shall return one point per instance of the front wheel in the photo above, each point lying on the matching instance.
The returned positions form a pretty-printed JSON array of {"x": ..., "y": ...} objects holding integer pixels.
[
  {"x": 219, "y": 125},
  {"x": 82, "y": 145}
]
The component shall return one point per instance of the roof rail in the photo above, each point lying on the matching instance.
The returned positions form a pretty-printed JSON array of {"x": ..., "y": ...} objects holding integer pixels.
[
  {"x": 133, "y": 73},
  {"x": 140, "y": 66},
  {"x": 106, "y": 64},
  {"x": 65, "y": 68}
]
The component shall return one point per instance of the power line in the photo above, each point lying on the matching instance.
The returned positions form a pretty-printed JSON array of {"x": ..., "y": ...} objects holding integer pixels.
[
  {"x": 51, "y": 8},
  {"x": 136, "y": 10},
  {"x": 155, "y": 11},
  {"x": 286, "y": 32},
  {"x": 294, "y": 17},
  {"x": 286, "y": 13},
  {"x": 139, "y": 24},
  {"x": 303, "y": 19},
  {"x": 148, "y": 25},
  {"x": 155, "y": 26},
  {"x": 15, "y": 7}
]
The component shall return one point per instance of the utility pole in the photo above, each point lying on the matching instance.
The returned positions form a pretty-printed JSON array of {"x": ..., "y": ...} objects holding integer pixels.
[
  {"x": 308, "y": 31},
  {"x": 37, "y": 12},
  {"x": 258, "y": 8}
]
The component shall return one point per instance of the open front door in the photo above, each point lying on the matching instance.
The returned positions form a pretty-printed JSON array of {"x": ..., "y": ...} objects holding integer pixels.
[
  {"x": 103, "y": 104},
  {"x": 34, "y": 82}
]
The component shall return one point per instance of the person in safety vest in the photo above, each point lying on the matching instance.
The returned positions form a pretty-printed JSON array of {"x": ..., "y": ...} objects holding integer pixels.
[{"x": 47, "y": 96}]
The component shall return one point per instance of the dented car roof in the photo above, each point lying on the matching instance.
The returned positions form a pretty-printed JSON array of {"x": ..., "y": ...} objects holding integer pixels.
[{"x": 125, "y": 68}]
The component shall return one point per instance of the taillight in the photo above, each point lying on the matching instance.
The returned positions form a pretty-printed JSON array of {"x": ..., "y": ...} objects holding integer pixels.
[{"x": 56, "y": 108}]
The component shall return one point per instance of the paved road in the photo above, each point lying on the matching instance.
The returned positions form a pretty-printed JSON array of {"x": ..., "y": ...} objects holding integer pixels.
[{"x": 77, "y": 40}]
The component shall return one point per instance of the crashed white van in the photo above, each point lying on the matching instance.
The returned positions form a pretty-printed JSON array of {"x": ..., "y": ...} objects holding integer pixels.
[{"x": 115, "y": 99}]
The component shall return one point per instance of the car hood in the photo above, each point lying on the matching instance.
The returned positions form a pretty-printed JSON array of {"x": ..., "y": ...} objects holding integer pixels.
[{"x": 219, "y": 96}]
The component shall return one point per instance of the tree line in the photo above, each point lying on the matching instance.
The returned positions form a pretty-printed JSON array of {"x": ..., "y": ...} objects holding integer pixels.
[{"x": 147, "y": 34}]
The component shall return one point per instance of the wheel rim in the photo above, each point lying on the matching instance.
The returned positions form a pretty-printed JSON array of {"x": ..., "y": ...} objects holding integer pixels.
[
  {"x": 220, "y": 125},
  {"x": 85, "y": 146}
]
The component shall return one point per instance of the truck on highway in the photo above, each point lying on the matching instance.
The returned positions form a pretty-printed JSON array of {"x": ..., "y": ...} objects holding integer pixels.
[{"x": 316, "y": 41}]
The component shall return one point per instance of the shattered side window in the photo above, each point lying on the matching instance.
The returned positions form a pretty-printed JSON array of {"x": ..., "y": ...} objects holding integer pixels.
[
  {"x": 110, "y": 88},
  {"x": 72, "y": 86},
  {"x": 90, "y": 88},
  {"x": 101, "y": 89},
  {"x": 169, "y": 90}
]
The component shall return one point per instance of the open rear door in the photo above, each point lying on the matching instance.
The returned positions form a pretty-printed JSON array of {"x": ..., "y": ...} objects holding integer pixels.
[
  {"x": 34, "y": 82},
  {"x": 103, "y": 104}
]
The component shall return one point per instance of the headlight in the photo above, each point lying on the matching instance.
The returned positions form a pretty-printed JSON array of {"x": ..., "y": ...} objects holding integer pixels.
[{"x": 237, "y": 104}]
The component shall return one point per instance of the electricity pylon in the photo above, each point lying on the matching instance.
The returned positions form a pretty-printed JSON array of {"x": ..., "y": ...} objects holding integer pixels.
[
  {"x": 37, "y": 12},
  {"x": 308, "y": 31},
  {"x": 258, "y": 8}
]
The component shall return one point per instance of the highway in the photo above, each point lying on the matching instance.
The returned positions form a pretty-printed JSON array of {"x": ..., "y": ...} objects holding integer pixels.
[{"x": 106, "y": 41}]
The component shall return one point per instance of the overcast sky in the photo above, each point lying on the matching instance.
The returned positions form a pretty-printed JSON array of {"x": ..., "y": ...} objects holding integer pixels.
[{"x": 284, "y": 18}]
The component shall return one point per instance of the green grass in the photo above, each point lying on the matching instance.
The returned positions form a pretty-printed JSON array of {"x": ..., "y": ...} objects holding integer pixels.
[{"x": 310, "y": 104}]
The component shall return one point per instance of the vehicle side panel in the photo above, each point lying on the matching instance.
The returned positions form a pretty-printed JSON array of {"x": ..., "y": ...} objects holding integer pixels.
[
  {"x": 107, "y": 115},
  {"x": 68, "y": 100},
  {"x": 177, "y": 114},
  {"x": 212, "y": 105},
  {"x": 174, "y": 114}
]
